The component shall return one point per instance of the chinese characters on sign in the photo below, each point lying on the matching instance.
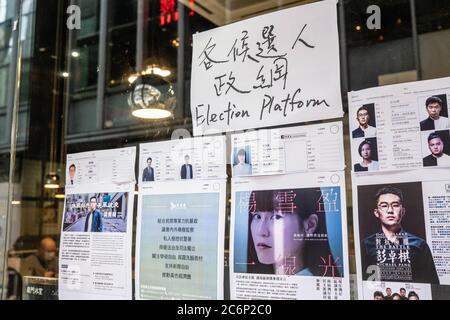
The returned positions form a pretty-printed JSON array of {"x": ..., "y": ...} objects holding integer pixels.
[{"x": 269, "y": 70}]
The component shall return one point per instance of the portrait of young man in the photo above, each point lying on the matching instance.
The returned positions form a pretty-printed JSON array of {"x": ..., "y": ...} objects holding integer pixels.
[
  {"x": 437, "y": 157},
  {"x": 435, "y": 121},
  {"x": 149, "y": 173},
  {"x": 186, "y": 171},
  {"x": 94, "y": 220},
  {"x": 364, "y": 130},
  {"x": 399, "y": 255}
]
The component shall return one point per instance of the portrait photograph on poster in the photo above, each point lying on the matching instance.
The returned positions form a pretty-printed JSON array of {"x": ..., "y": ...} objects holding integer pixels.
[
  {"x": 365, "y": 124},
  {"x": 96, "y": 212},
  {"x": 148, "y": 174},
  {"x": 393, "y": 233},
  {"x": 187, "y": 170},
  {"x": 398, "y": 293},
  {"x": 436, "y": 148},
  {"x": 71, "y": 174},
  {"x": 242, "y": 161},
  {"x": 289, "y": 232},
  {"x": 433, "y": 110},
  {"x": 365, "y": 155}
]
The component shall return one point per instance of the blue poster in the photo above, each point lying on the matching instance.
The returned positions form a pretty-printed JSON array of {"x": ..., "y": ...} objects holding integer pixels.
[
  {"x": 179, "y": 246},
  {"x": 295, "y": 232}
]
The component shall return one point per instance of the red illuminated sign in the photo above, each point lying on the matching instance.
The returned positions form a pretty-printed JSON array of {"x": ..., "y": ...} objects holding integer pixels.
[{"x": 169, "y": 11}]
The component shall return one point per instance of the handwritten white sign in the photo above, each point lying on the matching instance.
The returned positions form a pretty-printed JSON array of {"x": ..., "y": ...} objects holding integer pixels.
[{"x": 270, "y": 70}]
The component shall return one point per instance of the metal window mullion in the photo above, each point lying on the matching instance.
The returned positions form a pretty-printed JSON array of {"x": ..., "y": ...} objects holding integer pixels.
[
  {"x": 102, "y": 52},
  {"x": 343, "y": 48},
  {"x": 68, "y": 83},
  {"x": 415, "y": 39},
  {"x": 12, "y": 125},
  {"x": 140, "y": 34},
  {"x": 12, "y": 70},
  {"x": 181, "y": 32}
]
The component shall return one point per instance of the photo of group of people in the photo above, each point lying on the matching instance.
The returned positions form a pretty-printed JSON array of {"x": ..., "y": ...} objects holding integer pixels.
[
  {"x": 96, "y": 212},
  {"x": 289, "y": 232},
  {"x": 393, "y": 243},
  {"x": 400, "y": 295},
  {"x": 365, "y": 139}
]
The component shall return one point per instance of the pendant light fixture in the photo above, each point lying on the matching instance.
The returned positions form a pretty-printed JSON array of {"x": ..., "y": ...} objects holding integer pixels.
[
  {"x": 152, "y": 97},
  {"x": 151, "y": 94}
]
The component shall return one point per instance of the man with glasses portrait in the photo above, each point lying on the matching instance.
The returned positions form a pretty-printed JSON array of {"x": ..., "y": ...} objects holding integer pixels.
[
  {"x": 398, "y": 255},
  {"x": 364, "y": 130}
]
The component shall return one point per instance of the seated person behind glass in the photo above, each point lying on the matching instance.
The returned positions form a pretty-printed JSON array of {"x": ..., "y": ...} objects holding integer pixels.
[{"x": 44, "y": 263}]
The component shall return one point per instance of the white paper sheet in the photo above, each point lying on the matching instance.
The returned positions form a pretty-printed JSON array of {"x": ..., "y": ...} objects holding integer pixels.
[
  {"x": 196, "y": 158},
  {"x": 115, "y": 166},
  {"x": 96, "y": 232},
  {"x": 278, "y": 68},
  {"x": 399, "y": 131},
  {"x": 95, "y": 262},
  {"x": 287, "y": 150}
]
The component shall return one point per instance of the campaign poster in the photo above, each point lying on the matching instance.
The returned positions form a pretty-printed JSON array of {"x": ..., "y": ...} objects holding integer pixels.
[
  {"x": 401, "y": 235},
  {"x": 180, "y": 240},
  {"x": 95, "y": 246},
  {"x": 289, "y": 237},
  {"x": 96, "y": 233}
]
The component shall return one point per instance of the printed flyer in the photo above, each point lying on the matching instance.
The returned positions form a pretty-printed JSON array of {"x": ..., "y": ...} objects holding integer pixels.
[
  {"x": 183, "y": 159},
  {"x": 401, "y": 234},
  {"x": 288, "y": 150},
  {"x": 180, "y": 240},
  {"x": 289, "y": 237},
  {"x": 401, "y": 126},
  {"x": 96, "y": 232}
]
